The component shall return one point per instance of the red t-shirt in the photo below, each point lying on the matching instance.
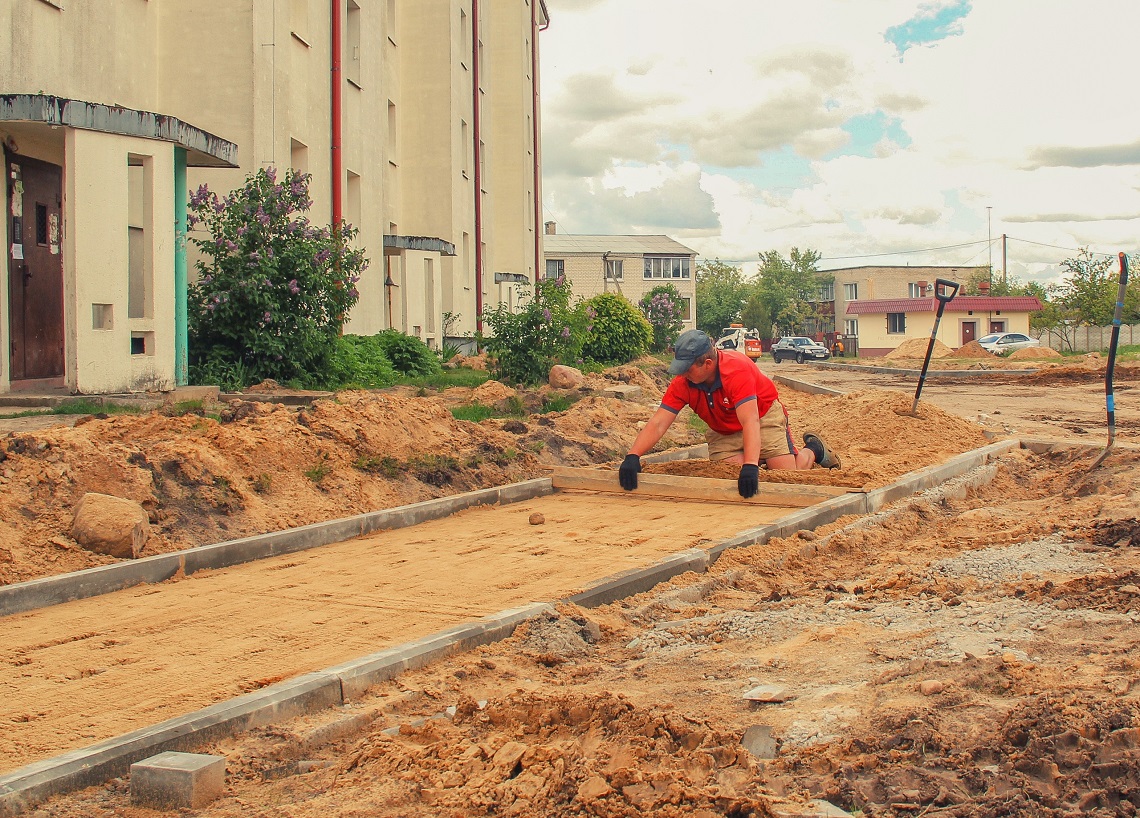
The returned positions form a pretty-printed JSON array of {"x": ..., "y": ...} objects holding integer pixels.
[{"x": 738, "y": 381}]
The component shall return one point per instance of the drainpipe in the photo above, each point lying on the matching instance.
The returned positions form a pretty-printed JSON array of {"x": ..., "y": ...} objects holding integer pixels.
[
  {"x": 534, "y": 30},
  {"x": 337, "y": 97},
  {"x": 181, "y": 295},
  {"x": 477, "y": 128}
]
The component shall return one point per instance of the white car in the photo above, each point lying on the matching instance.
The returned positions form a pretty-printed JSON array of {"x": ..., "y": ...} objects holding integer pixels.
[{"x": 1001, "y": 343}]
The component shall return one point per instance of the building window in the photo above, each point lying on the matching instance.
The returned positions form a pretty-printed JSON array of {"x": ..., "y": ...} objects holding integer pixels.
[
  {"x": 851, "y": 327},
  {"x": 614, "y": 269},
  {"x": 850, "y": 292},
  {"x": 667, "y": 267},
  {"x": 464, "y": 155},
  {"x": 827, "y": 292},
  {"x": 352, "y": 44},
  {"x": 918, "y": 290},
  {"x": 896, "y": 323},
  {"x": 555, "y": 268},
  {"x": 298, "y": 156},
  {"x": 686, "y": 313}
]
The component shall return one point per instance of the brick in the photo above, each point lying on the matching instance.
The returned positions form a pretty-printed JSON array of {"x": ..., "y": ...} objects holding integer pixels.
[{"x": 178, "y": 780}]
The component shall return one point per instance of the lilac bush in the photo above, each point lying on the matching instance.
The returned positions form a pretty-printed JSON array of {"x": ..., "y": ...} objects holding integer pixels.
[
  {"x": 273, "y": 289},
  {"x": 664, "y": 308}
]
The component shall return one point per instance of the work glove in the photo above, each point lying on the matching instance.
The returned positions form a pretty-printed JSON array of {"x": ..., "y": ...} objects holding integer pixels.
[
  {"x": 749, "y": 481},
  {"x": 627, "y": 474}
]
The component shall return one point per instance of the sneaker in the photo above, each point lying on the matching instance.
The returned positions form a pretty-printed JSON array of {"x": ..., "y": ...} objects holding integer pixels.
[{"x": 824, "y": 457}]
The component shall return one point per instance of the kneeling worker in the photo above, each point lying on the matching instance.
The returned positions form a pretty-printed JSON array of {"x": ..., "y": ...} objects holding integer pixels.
[{"x": 747, "y": 422}]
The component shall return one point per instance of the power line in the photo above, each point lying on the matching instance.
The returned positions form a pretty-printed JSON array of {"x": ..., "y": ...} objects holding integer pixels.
[{"x": 906, "y": 252}]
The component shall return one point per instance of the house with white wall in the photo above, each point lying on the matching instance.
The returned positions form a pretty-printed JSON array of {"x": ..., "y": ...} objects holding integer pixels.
[{"x": 630, "y": 266}]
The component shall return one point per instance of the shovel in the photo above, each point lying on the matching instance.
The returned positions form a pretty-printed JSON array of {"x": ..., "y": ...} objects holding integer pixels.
[
  {"x": 1109, "y": 398},
  {"x": 944, "y": 291}
]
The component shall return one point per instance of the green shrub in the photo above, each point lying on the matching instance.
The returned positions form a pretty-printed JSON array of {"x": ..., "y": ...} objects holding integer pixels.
[
  {"x": 619, "y": 332},
  {"x": 546, "y": 330},
  {"x": 273, "y": 289},
  {"x": 409, "y": 356},
  {"x": 358, "y": 360},
  {"x": 663, "y": 308}
]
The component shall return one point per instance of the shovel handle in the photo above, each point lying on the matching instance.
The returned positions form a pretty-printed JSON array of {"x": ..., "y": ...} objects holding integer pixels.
[{"x": 945, "y": 289}]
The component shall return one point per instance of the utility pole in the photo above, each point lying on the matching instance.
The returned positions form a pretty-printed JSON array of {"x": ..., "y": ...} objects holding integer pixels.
[
  {"x": 1003, "y": 258},
  {"x": 989, "y": 245}
]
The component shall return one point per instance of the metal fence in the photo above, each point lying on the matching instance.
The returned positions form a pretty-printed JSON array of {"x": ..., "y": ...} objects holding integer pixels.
[{"x": 1087, "y": 339}]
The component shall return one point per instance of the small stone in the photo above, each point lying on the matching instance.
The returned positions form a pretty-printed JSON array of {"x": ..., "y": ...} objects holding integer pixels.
[
  {"x": 593, "y": 788},
  {"x": 758, "y": 741},
  {"x": 537, "y": 519},
  {"x": 1129, "y": 589},
  {"x": 930, "y": 687},
  {"x": 774, "y": 694},
  {"x": 1009, "y": 658}
]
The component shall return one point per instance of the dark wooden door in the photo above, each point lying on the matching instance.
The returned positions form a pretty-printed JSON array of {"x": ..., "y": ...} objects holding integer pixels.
[
  {"x": 969, "y": 331},
  {"x": 34, "y": 206}
]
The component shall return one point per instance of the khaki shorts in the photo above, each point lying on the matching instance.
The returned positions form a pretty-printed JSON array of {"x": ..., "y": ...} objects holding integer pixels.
[{"x": 775, "y": 439}]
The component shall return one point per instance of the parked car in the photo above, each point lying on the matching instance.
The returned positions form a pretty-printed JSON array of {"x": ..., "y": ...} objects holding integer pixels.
[
  {"x": 1002, "y": 343},
  {"x": 800, "y": 349},
  {"x": 742, "y": 340}
]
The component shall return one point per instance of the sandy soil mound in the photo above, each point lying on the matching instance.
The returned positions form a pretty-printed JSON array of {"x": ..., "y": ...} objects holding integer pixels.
[
  {"x": 1034, "y": 352},
  {"x": 916, "y": 348},
  {"x": 973, "y": 350}
]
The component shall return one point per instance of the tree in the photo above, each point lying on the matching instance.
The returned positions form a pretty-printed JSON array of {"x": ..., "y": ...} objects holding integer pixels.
[
  {"x": 619, "y": 332},
  {"x": 547, "y": 329},
  {"x": 790, "y": 290},
  {"x": 755, "y": 314},
  {"x": 721, "y": 292},
  {"x": 1089, "y": 290}
]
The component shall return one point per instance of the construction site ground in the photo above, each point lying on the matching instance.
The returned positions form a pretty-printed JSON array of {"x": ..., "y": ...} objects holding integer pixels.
[{"x": 968, "y": 651}]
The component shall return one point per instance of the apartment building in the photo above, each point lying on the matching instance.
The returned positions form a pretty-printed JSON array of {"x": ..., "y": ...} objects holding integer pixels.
[
  {"x": 628, "y": 265},
  {"x": 418, "y": 120}
]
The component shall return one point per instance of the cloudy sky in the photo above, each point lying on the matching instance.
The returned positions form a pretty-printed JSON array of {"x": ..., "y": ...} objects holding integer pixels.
[{"x": 865, "y": 130}]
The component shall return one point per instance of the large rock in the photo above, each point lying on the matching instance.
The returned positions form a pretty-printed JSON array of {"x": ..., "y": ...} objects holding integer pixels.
[
  {"x": 566, "y": 377},
  {"x": 110, "y": 525}
]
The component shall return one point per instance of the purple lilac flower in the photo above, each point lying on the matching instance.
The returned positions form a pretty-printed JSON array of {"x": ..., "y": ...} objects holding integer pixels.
[
  {"x": 353, "y": 292},
  {"x": 271, "y": 173},
  {"x": 545, "y": 314},
  {"x": 293, "y": 288},
  {"x": 230, "y": 245},
  {"x": 322, "y": 256},
  {"x": 241, "y": 231},
  {"x": 566, "y": 332},
  {"x": 267, "y": 318},
  {"x": 255, "y": 256}
]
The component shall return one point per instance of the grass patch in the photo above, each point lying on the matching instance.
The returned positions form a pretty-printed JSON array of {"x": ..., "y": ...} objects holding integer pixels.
[
  {"x": 320, "y": 470},
  {"x": 556, "y": 403},
  {"x": 387, "y": 466},
  {"x": 78, "y": 406},
  {"x": 448, "y": 378},
  {"x": 473, "y": 412},
  {"x": 697, "y": 424}
]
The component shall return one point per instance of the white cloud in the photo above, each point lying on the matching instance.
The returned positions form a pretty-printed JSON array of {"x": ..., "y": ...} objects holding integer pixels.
[{"x": 764, "y": 115}]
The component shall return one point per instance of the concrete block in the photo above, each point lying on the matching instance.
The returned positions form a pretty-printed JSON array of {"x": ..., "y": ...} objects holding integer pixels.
[
  {"x": 625, "y": 391},
  {"x": 178, "y": 780}
]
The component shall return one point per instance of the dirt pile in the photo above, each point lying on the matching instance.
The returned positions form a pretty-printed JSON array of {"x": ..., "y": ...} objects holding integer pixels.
[
  {"x": 916, "y": 348},
  {"x": 1031, "y": 353},
  {"x": 973, "y": 350}
]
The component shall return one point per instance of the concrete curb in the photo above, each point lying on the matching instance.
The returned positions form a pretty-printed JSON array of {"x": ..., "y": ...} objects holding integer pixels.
[
  {"x": 866, "y": 503},
  {"x": 357, "y": 675},
  {"x": 805, "y": 386},
  {"x": 31, "y": 785},
  {"x": 638, "y": 580},
  {"x": 933, "y": 373},
  {"x": 41, "y": 593}
]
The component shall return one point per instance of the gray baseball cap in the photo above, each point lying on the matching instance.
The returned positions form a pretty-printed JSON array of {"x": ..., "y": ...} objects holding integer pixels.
[{"x": 690, "y": 345}]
